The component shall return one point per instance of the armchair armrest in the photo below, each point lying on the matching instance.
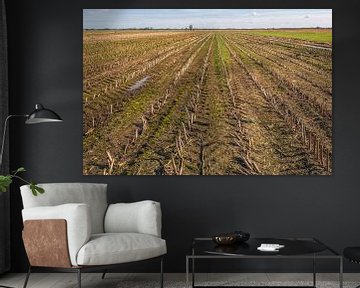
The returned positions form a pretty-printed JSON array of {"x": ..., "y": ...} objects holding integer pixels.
[
  {"x": 138, "y": 217},
  {"x": 78, "y": 225}
]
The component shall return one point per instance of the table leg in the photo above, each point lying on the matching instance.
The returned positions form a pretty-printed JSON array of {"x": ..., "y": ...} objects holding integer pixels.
[
  {"x": 193, "y": 272},
  {"x": 187, "y": 272},
  {"x": 341, "y": 273},
  {"x": 193, "y": 267},
  {"x": 314, "y": 271}
]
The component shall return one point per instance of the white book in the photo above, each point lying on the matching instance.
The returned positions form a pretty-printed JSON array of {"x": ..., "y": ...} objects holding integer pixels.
[{"x": 270, "y": 247}]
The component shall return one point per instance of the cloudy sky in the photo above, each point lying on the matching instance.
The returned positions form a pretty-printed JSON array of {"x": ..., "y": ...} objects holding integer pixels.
[{"x": 206, "y": 18}]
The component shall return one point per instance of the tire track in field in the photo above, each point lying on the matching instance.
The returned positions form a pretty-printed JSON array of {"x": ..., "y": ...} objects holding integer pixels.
[
  {"x": 149, "y": 151},
  {"x": 274, "y": 146},
  {"x": 202, "y": 154},
  {"x": 121, "y": 128},
  {"x": 313, "y": 57},
  {"x": 289, "y": 55},
  {"x": 115, "y": 65},
  {"x": 231, "y": 154},
  {"x": 314, "y": 106},
  {"x": 318, "y": 80},
  {"x": 238, "y": 137},
  {"x": 313, "y": 78},
  {"x": 317, "y": 123},
  {"x": 103, "y": 104},
  {"x": 308, "y": 97},
  {"x": 164, "y": 143}
]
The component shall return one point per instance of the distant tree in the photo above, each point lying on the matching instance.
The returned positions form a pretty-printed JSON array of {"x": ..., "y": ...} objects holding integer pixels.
[{"x": 191, "y": 27}]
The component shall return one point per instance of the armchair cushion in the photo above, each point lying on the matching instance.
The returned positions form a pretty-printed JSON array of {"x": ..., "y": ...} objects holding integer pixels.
[
  {"x": 138, "y": 217},
  {"x": 78, "y": 221},
  {"x": 92, "y": 194},
  {"x": 113, "y": 248}
]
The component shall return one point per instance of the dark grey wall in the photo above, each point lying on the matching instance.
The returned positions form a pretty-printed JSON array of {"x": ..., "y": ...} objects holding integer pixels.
[{"x": 45, "y": 50}]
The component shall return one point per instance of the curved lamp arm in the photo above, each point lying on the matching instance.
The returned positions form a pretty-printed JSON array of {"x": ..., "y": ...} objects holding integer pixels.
[
  {"x": 39, "y": 115},
  {"x": 4, "y": 134}
]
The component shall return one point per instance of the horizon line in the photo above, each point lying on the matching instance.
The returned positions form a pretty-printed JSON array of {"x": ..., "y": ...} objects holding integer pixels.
[{"x": 197, "y": 29}]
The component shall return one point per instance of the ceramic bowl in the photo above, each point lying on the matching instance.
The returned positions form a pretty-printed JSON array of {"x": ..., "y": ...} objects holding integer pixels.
[{"x": 225, "y": 239}]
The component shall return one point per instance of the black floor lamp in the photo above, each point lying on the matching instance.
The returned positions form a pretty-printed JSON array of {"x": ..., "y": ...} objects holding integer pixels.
[{"x": 39, "y": 115}]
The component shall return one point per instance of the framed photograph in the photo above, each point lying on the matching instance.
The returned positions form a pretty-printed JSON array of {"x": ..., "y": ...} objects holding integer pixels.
[{"x": 207, "y": 92}]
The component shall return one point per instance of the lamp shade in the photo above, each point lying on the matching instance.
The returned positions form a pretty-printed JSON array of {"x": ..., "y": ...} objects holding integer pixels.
[{"x": 42, "y": 115}]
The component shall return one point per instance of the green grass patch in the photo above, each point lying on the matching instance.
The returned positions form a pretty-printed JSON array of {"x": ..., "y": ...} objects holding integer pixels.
[
  {"x": 224, "y": 52},
  {"x": 217, "y": 62},
  {"x": 164, "y": 124},
  {"x": 313, "y": 35},
  {"x": 221, "y": 57}
]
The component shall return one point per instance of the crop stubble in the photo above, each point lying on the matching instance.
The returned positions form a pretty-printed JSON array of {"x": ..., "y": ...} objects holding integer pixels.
[{"x": 206, "y": 103}]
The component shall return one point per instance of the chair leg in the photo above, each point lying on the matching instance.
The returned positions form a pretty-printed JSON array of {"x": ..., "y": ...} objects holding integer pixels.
[
  {"x": 103, "y": 275},
  {"x": 79, "y": 277},
  {"x": 27, "y": 277},
  {"x": 161, "y": 273}
]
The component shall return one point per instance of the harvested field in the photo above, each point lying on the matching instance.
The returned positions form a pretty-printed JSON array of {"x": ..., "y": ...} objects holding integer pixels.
[{"x": 207, "y": 102}]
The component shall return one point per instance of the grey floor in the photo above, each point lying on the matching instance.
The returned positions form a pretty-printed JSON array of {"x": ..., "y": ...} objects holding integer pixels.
[{"x": 120, "y": 280}]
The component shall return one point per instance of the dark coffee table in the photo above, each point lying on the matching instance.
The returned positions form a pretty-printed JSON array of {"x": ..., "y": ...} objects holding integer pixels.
[{"x": 295, "y": 248}]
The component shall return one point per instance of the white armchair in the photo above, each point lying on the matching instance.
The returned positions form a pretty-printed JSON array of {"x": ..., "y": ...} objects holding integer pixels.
[{"x": 72, "y": 228}]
